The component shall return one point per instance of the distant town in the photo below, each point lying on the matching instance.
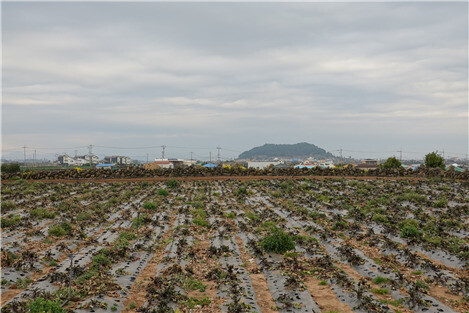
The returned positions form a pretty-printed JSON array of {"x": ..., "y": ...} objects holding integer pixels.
[{"x": 119, "y": 161}]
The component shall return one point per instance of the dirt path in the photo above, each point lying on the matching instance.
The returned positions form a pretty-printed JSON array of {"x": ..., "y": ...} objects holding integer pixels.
[
  {"x": 357, "y": 277},
  {"x": 212, "y": 178},
  {"x": 137, "y": 293},
  {"x": 259, "y": 283},
  {"x": 439, "y": 292},
  {"x": 325, "y": 297}
]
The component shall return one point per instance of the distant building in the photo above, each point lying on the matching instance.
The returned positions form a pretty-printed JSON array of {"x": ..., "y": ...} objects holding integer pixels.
[
  {"x": 77, "y": 161},
  {"x": 117, "y": 159},
  {"x": 262, "y": 164},
  {"x": 159, "y": 163},
  {"x": 189, "y": 162},
  {"x": 368, "y": 164},
  {"x": 85, "y": 159},
  {"x": 64, "y": 159}
]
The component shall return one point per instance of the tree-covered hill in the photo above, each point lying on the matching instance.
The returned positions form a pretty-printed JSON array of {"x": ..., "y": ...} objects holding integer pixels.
[{"x": 300, "y": 150}]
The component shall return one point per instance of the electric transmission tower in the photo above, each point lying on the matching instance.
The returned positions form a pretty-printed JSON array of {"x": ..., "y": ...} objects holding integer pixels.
[{"x": 218, "y": 148}]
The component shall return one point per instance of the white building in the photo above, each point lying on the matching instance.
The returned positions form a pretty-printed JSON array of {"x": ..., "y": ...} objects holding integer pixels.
[
  {"x": 159, "y": 163},
  {"x": 65, "y": 159},
  {"x": 117, "y": 159},
  {"x": 85, "y": 159},
  {"x": 77, "y": 161}
]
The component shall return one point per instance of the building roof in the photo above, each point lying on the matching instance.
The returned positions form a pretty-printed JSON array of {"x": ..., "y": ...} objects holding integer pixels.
[
  {"x": 210, "y": 165},
  {"x": 367, "y": 166},
  {"x": 105, "y": 165}
]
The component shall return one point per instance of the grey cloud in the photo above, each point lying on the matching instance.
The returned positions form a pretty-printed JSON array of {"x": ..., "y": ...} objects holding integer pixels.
[{"x": 239, "y": 73}]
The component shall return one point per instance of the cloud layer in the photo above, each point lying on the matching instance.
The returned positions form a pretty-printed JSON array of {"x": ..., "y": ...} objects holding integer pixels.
[{"x": 363, "y": 76}]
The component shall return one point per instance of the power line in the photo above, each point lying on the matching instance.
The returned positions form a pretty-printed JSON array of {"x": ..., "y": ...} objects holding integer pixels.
[{"x": 130, "y": 148}]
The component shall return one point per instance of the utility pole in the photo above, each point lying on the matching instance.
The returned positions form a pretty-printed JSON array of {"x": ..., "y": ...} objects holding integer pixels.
[
  {"x": 400, "y": 154},
  {"x": 162, "y": 152},
  {"x": 218, "y": 148},
  {"x": 24, "y": 154},
  {"x": 90, "y": 152}
]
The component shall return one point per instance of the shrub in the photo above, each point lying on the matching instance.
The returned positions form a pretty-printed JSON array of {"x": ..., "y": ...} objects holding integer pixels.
[
  {"x": 149, "y": 206},
  {"x": 84, "y": 216},
  {"x": 278, "y": 242},
  {"x": 252, "y": 216},
  {"x": 163, "y": 192},
  {"x": 10, "y": 168},
  {"x": 139, "y": 221},
  {"x": 380, "y": 218},
  {"x": 392, "y": 162},
  {"x": 441, "y": 203},
  {"x": 339, "y": 225},
  {"x": 199, "y": 212},
  {"x": 434, "y": 160},
  {"x": 412, "y": 196},
  {"x": 127, "y": 235},
  {"x": 231, "y": 215},
  {"x": 100, "y": 260},
  {"x": 193, "y": 284},
  {"x": 8, "y": 205},
  {"x": 242, "y": 191},
  {"x": 66, "y": 226},
  {"x": 60, "y": 230},
  {"x": 23, "y": 283},
  {"x": 421, "y": 285},
  {"x": 42, "y": 213},
  {"x": 380, "y": 280},
  {"x": 200, "y": 221},
  {"x": 194, "y": 302},
  {"x": 172, "y": 183},
  {"x": 409, "y": 228},
  {"x": 10, "y": 221},
  {"x": 380, "y": 291},
  {"x": 41, "y": 305}
]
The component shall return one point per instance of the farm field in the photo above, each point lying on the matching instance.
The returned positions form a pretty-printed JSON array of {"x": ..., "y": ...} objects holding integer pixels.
[{"x": 305, "y": 245}]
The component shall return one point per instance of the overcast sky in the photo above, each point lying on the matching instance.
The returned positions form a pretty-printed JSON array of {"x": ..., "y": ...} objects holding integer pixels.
[{"x": 372, "y": 77}]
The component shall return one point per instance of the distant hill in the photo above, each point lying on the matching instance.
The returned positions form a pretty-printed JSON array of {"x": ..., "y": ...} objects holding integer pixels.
[{"x": 301, "y": 150}]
